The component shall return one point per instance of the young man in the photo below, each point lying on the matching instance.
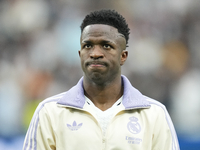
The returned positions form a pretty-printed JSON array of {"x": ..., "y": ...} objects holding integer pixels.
[{"x": 103, "y": 111}]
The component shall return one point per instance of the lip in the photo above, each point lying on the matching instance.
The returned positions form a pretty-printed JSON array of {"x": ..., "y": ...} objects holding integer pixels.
[{"x": 96, "y": 64}]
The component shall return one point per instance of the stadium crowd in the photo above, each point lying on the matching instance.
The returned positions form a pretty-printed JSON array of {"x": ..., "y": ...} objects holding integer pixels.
[{"x": 39, "y": 43}]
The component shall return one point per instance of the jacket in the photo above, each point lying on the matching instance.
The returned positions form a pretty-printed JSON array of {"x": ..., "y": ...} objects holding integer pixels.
[{"x": 64, "y": 122}]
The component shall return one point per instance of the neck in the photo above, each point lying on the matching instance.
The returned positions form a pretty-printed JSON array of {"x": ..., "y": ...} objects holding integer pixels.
[{"x": 104, "y": 96}]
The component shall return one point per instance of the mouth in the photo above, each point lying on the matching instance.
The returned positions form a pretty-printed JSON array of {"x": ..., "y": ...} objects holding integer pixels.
[{"x": 96, "y": 64}]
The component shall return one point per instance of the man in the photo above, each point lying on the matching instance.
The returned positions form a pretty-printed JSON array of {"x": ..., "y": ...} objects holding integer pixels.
[{"x": 103, "y": 111}]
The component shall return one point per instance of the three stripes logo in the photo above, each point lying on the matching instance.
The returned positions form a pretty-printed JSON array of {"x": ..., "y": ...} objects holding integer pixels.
[{"x": 74, "y": 126}]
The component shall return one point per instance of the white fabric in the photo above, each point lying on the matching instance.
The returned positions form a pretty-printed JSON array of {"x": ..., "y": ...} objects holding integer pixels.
[{"x": 103, "y": 117}]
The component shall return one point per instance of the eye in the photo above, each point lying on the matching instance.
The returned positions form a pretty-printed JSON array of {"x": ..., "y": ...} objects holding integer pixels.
[
  {"x": 107, "y": 46},
  {"x": 87, "y": 46}
]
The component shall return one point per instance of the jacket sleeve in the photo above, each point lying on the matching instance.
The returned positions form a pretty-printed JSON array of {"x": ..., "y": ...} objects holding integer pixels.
[
  {"x": 164, "y": 137},
  {"x": 40, "y": 134}
]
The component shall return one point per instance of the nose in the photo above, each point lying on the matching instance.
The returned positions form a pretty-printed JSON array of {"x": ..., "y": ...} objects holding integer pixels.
[{"x": 96, "y": 53}]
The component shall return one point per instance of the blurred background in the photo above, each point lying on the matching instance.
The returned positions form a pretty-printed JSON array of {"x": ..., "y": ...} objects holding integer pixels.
[{"x": 39, "y": 43}]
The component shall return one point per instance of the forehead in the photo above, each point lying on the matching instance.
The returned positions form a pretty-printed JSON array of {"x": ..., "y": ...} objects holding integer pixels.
[{"x": 99, "y": 30}]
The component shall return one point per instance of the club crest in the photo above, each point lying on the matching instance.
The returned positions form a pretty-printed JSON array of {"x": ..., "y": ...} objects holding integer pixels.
[{"x": 133, "y": 125}]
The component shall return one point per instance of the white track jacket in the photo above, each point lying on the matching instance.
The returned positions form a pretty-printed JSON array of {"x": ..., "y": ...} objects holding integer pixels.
[{"x": 64, "y": 122}]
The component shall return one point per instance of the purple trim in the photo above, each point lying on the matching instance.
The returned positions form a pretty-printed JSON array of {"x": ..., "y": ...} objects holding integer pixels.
[
  {"x": 30, "y": 131},
  {"x": 35, "y": 120},
  {"x": 31, "y": 139},
  {"x": 75, "y": 96},
  {"x": 26, "y": 141},
  {"x": 132, "y": 98},
  {"x": 35, "y": 133},
  {"x": 175, "y": 145}
]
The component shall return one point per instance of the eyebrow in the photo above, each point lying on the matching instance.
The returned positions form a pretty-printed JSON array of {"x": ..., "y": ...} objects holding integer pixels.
[
  {"x": 102, "y": 42},
  {"x": 88, "y": 42}
]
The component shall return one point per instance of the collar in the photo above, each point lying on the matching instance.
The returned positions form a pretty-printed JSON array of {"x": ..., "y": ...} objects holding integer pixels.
[{"x": 132, "y": 98}]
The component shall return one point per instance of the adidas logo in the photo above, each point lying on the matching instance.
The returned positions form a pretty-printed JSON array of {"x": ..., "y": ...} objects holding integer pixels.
[{"x": 74, "y": 126}]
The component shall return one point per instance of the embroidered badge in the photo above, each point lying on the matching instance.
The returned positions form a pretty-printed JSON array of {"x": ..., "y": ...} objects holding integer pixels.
[
  {"x": 133, "y": 125},
  {"x": 74, "y": 126}
]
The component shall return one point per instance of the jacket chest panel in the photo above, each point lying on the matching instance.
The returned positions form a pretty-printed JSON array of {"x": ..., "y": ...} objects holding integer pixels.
[
  {"x": 129, "y": 131},
  {"x": 78, "y": 131},
  {"x": 126, "y": 130}
]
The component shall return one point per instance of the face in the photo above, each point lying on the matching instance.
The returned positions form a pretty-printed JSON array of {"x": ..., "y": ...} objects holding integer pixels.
[{"x": 102, "y": 53}]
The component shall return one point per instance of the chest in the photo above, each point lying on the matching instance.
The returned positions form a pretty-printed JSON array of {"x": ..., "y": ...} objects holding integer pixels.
[{"x": 126, "y": 130}]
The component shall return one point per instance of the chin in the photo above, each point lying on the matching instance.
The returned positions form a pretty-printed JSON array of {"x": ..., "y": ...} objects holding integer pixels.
[{"x": 97, "y": 78}]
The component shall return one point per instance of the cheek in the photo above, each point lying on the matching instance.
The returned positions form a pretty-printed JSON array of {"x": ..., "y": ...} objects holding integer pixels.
[
  {"x": 116, "y": 61},
  {"x": 120, "y": 59},
  {"x": 82, "y": 55},
  {"x": 83, "y": 58}
]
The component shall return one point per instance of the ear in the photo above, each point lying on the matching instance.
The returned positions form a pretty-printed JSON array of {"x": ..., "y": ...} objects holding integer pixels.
[
  {"x": 124, "y": 56},
  {"x": 79, "y": 53}
]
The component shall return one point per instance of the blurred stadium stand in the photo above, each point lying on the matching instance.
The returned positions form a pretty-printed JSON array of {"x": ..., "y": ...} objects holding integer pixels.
[{"x": 39, "y": 43}]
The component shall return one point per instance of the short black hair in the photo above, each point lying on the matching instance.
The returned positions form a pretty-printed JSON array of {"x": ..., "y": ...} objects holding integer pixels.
[{"x": 107, "y": 17}]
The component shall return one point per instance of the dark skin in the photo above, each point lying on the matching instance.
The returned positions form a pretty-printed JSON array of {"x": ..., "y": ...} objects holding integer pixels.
[{"x": 103, "y": 52}]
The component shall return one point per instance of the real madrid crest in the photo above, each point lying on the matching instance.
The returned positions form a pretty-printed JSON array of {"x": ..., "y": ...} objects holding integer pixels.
[{"x": 133, "y": 125}]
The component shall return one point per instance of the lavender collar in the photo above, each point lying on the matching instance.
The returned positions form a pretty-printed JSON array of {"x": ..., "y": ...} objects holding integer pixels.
[{"x": 132, "y": 98}]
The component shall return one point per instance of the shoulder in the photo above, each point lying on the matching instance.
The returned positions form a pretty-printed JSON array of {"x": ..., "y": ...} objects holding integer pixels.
[
  {"x": 159, "y": 111},
  {"x": 156, "y": 106},
  {"x": 50, "y": 102},
  {"x": 154, "y": 102}
]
